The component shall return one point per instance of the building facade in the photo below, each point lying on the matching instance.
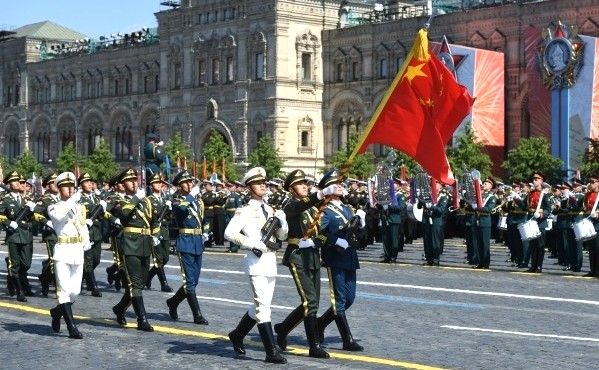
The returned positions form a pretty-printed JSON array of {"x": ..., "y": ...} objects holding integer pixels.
[{"x": 307, "y": 73}]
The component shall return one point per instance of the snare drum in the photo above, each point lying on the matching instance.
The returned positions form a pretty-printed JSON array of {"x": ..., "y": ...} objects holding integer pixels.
[
  {"x": 502, "y": 223},
  {"x": 584, "y": 230},
  {"x": 529, "y": 230},
  {"x": 414, "y": 212}
]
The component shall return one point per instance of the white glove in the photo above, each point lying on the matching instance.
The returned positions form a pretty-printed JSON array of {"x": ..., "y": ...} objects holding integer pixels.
[
  {"x": 75, "y": 197},
  {"x": 342, "y": 243},
  {"x": 282, "y": 217},
  {"x": 31, "y": 205},
  {"x": 160, "y": 143},
  {"x": 331, "y": 189},
  {"x": 169, "y": 204},
  {"x": 172, "y": 191},
  {"x": 537, "y": 215},
  {"x": 205, "y": 237},
  {"x": 50, "y": 225},
  {"x": 89, "y": 222},
  {"x": 360, "y": 213},
  {"x": 259, "y": 246},
  {"x": 103, "y": 204},
  {"x": 140, "y": 194},
  {"x": 87, "y": 246},
  {"x": 195, "y": 191},
  {"x": 155, "y": 241},
  {"x": 345, "y": 192},
  {"x": 97, "y": 192},
  {"x": 118, "y": 222},
  {"x": 13, "y": 225},
  {"x": 428, "y": 205},
  {"x": 306, "y": 243}
]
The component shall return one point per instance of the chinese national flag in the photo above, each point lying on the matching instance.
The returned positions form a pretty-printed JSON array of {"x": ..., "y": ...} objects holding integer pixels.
[{"x": 420, "y": 112}]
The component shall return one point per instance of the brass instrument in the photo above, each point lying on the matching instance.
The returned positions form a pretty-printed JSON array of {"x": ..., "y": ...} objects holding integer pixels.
[
  {"x": 383, "y": 180},
  {"x": 423, "y": 188}
]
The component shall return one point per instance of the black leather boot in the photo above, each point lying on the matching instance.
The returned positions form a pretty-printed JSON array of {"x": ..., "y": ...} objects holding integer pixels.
[
  {"x": 18, "y": 289},
  {"x": 173, "y": 303},
  {"x": 10, "y": 285},
  {"x": 25, "y": 287},
  {"x": 162, "y": 278},
  {"x": 140, "y": 311},
  {"x": 151, "y": 275},
  {"x": 118, "y": 280},
  {"x": 349, "y": 344},
  {"x": 56, "y": 314},
  {"x": 110, "y": 271},
  {"x": 284, "y": 328},
  {"x": 243, "y": 328},
  {"x": 311, "y": 325},
  {"x": 93, "y": 284},
  {"x": 67, "y": 313},
  {"x": 323, "y": 321},
  {"x": 192, "y": 299},
  {"x": 121, "y": 308},
  {"x": 268, "y": 339}
]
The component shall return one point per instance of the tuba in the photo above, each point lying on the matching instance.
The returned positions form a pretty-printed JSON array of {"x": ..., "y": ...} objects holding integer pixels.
[
  {"x": 422, "y": 185},
  {"x": 468, "y": 187}
]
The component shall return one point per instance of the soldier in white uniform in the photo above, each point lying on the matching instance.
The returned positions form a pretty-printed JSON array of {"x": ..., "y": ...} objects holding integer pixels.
[
  {"x": 68, "y": 219},
  {"x": 244, "y": 229}
]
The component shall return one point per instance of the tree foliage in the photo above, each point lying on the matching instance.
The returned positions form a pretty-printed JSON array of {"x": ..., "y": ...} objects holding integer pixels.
[
  {"x": 363, "y": 165},
  {"x": 175, "y": 147},
  {"x": 266, "y": 155},
  {"x": 216, "y": 150},
  {"x": 468, "y": 154},
  {"x": 101, "y": 164},
  {"x": 26, "y": 164},
  {"x": 68, "y": 159},
  {"x": 529, "y": 156},
  {"x": 590, "y": 159}
]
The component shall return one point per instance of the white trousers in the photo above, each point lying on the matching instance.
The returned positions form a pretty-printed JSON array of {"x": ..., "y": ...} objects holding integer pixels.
[
  {"x": 263, "y": 288},
  {"x": 68, "y": 281}
]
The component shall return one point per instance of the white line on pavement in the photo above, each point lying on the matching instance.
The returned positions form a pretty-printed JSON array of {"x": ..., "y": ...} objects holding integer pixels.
[
  {"x": 241, "y": 302},
  {"x": 525, "y": 334},
  {"x": 421, "y": 287}
]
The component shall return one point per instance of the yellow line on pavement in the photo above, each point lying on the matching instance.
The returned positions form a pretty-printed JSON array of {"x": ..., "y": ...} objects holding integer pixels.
[{"x": 213, "y": 336}]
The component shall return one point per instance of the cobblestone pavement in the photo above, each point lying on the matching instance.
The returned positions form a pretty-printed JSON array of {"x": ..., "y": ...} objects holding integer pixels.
[{"x": 405, "y": 315}]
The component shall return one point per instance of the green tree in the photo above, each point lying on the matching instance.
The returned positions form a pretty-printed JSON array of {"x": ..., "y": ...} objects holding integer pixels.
[
  {"x": 68, "y": 159},
  {"x": 267, "y": 156},
  {"x": 363, "y": 164},
  {"x": 529, "y": 156},
  {"x": 217, "y": 149},
  {"x": 176, "y": 147},
  {"x": 468, "y": 154},
  {"x": 590, "y": 159},
  {"x": 26, "y": 164},
  {"x": 101, "y": 164}
]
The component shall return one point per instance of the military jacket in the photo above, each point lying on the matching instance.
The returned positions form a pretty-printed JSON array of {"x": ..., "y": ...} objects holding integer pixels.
[
  {"x": 484, "y": 213},
  {"x": 91, "y": 201},
  {"x": 332, "y": 223},
  {"x": 160, "y": 225},
  {"x": 233, "y": 202},
  {"x": 188, "y": 214},
  {"x": 135, "y": 216},
  {"x": 300, "y": 214},
  {"x": 434, "y": 214},
  {"x": 10, "y": 208}
]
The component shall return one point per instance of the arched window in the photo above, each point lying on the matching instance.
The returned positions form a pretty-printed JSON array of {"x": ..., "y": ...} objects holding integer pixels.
[
  {"x": 13, "y": 144},
  {"x": 41, "y": 147}
]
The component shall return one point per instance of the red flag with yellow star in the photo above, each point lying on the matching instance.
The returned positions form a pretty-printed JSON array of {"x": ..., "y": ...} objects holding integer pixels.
[{"x": 420, "y": 112}]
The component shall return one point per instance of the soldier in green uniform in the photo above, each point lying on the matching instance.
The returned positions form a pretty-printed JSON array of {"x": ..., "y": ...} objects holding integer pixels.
[
  {"x": 432, "y": 223},
  {"x": 135, "y": 212},
  {"x": 48, "y": 235},
  {"x": 94, "y": 208},
  {"x": 160, "y": 232},
  {"x": 483, "y": 224},
  {"x": 302, "y": 256},
  {"x": 209, "y": 199},
  {"x": 391, "y": 221},
  {"x": 233, "y": 202},
  {"x": 18, "y": 214},
  {"x": 218, "y": 231},
  {"x": 113, "y": 272},
  {"x": 576, "y": 214}
]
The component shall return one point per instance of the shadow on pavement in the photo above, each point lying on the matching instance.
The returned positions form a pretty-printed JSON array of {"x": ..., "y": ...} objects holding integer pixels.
[{"x": 44, "y": 330}]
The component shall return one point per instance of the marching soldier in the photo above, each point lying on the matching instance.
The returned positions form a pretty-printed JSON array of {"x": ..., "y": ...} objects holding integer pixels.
[
  {"x": 432, "y": 223},
  {"x": 50, "y": 197},
  {"x": 591, "y": 210},
  {"x": 302, "y": 257},
  {"x": 188, "y": 213},
  {"x": 160, "y": 232},
  {"x": 261, "y": 263},
  {"x": 113, "y": 272},
  {"x": 68, "y": 217},
  {"x": 18, "y": 213},
  {"x": 577, "y": 213},
  {"x": 134, "y": 211},
  {"x": 392, "y": 220},
  {"x": 209, "y": 199},
  {"x": 218, "y": 231},
  {"x": 233, "y": 202},
  {"x": 538, "y": 207},
  {"x": 340, "y": 259},
  {"x": 95, "y": 208},
  {"x": 483, "y": 224},
  {"x": 153, "y": 154}
]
